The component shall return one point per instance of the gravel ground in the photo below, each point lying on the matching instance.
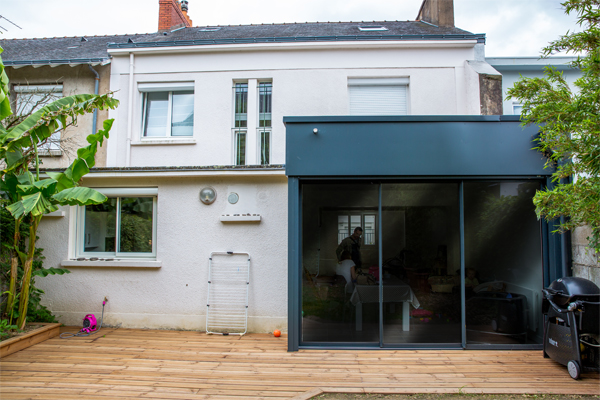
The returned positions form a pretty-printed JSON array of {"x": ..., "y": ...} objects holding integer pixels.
[{"x": 433, "y": 396}]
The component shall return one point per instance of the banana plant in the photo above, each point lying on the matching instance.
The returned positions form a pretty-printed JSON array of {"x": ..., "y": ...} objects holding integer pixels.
[{"x": 31, "y": 197}]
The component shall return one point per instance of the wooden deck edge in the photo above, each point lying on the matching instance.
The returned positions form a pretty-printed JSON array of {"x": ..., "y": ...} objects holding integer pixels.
[
  {"x": 12, "y": 345},
  {"x": 308, "y": 395}
]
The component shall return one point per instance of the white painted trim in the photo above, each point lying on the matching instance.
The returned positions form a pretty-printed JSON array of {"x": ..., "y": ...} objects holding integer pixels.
[
  {"x": 181, "y": 174},
  {"x": 298, "y": 46},
  {"x": 166, "y": 86},
  {"x": 116, "y": 263},
  {"x": 163, "y": 141},
  {"x": 378, "y": 81},
  {"x": 123, "y": 192}
]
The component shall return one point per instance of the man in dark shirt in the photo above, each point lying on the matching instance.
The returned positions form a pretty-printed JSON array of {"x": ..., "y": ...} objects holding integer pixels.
[{"x": 352, "y": 245}]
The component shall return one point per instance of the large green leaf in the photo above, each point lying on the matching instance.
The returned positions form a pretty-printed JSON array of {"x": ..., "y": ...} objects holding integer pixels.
[
  {"x": 47, "y": 187},
  {"x": 50, "y": 271},
  {"x": 5, "y": 110},
  {"x": 35, "y": 204},
  {"x": 79, "y": 196},
  {"x": 63, "y": 181}
]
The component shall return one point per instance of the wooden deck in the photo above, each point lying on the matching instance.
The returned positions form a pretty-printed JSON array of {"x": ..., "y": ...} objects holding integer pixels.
[{"x": 125, "y": 363}]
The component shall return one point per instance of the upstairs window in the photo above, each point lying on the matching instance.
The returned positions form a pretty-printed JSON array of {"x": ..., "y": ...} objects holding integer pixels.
[
  {"x": 378, "y": 96},
  {"x": 30, "y": 98},
  {"x": 168, "y": 109},
  {"x": 264, "y": 120},
  {"x": 240, "y": 95}
]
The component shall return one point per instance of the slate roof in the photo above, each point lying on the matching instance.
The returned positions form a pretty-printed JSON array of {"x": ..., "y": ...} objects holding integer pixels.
[{"x": 77, "y": 50}]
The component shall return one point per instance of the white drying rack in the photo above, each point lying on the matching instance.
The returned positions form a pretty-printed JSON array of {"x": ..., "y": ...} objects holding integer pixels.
[{"x": 227, "y": 302}]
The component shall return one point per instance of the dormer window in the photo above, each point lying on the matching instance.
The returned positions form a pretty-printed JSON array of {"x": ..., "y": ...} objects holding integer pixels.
[{"x": 372, "y": 28}]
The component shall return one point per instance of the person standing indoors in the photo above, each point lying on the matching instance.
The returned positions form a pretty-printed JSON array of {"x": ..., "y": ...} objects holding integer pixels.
[{"x": 351, "y": 244}]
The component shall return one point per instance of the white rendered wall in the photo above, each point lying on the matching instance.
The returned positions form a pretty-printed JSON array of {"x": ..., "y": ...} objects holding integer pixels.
[
  {"x": 307, "y": 82},
  {"x": 174, "y": 295}
]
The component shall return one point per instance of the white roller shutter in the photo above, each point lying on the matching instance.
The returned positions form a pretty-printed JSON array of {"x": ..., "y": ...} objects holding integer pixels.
[{"x": 378, "y": 96}]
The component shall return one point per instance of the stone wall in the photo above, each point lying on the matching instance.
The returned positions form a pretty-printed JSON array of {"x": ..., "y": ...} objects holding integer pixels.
[{"x": 585, "y": 263}]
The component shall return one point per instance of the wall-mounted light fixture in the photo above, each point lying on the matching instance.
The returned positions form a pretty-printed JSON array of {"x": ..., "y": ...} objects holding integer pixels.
[
  {"x": 315, "y": 131},
  {"x": 208, "y": 195}
]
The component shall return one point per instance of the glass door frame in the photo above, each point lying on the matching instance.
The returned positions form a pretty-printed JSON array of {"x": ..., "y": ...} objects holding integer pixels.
[{"x": 295, "y": 184}]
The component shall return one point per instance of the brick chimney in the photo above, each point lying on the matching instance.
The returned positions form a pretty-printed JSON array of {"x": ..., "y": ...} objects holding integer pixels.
[
  {"x": 172, "y": 14},
  {"x": 437, "y": 12}
]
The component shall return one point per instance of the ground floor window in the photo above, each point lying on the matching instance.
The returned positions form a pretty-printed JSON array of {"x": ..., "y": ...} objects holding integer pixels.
[
  {"x": 449, "y": 254},
  {"x": 123, "y": 226}
]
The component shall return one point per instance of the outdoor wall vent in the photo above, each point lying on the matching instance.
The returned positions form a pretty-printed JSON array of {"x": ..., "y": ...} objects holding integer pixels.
[
  {"x": 372, "y": 28},
  {"x": 210, "y": 29}
]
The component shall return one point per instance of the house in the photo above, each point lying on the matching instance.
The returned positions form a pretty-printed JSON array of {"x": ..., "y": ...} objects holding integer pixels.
[
  {"x": 275, "y": 141},
  {"x": 583, "y": 262}
]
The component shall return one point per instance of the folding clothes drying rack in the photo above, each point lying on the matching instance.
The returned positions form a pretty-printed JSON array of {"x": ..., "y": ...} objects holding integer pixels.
[{"x": 227, "y": 303}]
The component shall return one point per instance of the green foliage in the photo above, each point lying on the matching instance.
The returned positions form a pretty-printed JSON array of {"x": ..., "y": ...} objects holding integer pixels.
[
  {"x": 29, "y": 197},
  {"x": 5, "y": 328},
  {"x": 569, "y": 123}
]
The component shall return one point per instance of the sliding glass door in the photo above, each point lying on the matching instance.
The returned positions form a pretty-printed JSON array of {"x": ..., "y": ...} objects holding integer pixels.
[
  {"x": 402, "y": 280},
  {"x": 421, "y": 264}
]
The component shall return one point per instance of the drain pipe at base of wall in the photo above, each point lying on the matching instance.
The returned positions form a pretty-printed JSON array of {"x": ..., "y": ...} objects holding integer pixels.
[{"x": 96, "y": 86}]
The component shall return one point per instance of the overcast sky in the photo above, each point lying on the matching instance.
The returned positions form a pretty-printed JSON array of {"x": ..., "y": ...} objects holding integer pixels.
[{"x": 513, "y": 27}]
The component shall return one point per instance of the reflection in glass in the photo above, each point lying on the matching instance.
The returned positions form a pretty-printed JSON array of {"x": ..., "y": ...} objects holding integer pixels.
[
  {"x": 136, "y": 225},
  {"x": 330, "y": 212},
  {"x": 421, "y": 253},
  {"x": 182, "y": 119},
  {"x": 503, "y": 263},
  {"x": 99, "y": 230},
  {"x": 157, "y": 109}
]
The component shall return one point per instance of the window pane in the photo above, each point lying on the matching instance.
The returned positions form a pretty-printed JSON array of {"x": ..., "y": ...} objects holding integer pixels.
[
  {"x": 504, "y": 272},
  {"x": 240, "y": 148},
  {"x": 369, "y": 230},
  {"x": 355, "y": 222},
  {"x": 265, "y": 148},
  {"x": 182, "y": 114},
  {"x": 264, "y": 104},
  {"x": 241, "y": 105},
  {"x": 136, "y": 225},
  {"x": 343, "y": 228},
  {"x": 157, "y": 107},
  {"x": 32, "y": 98},
  {"x": 99, "y": 231}
]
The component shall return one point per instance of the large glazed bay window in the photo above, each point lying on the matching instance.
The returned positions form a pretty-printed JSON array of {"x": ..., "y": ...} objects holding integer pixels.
[
  {"x": 168, "y": 109},
  {"x": 123, "y": 226},
  {"x": 378, "y": 96}
]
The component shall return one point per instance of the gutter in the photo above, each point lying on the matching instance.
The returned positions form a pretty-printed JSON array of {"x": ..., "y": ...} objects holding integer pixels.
[
  {"x": 278, "y": 46},
  {"x": 186, "y": 172},
  {"x": 480, "y": 38},
  {"x": 57, "y": 62}
]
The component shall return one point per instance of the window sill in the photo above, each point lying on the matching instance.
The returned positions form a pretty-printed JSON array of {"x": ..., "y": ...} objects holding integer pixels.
[
  {"x": 49, "y": 153},
  {"x": 164, "y": 141},
  {"x": 115, "y": 263}
]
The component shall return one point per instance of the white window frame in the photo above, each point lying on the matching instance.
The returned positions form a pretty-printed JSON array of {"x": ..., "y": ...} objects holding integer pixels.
[
  {"x": 51, "y": 148},
  {"x": 170, "y": 88},
  {"x": 117, "y": 193},
  {"x": 358, "y": 83},
  {"x": 267, "y": 129},
  {"x": 238, "y": 131},
  {"x": 351, "y": 227}
]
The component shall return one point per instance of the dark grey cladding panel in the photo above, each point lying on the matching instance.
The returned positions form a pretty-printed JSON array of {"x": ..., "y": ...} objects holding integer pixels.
[{"x": 411, "y": 146}]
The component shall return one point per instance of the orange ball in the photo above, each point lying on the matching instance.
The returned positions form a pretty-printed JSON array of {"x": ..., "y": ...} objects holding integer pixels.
[{"x": 276, "y": 333}]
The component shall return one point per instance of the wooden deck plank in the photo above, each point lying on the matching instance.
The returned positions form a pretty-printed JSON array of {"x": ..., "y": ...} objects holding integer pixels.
[{"x": 123, "y": 363}]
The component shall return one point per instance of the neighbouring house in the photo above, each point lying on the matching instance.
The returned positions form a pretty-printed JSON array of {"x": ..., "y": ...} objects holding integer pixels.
[
  {"x": 583, "y": 262},
  {"x": 277, "y": 140}
]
